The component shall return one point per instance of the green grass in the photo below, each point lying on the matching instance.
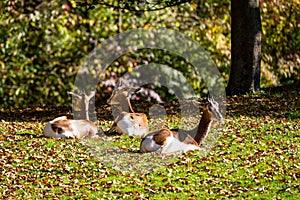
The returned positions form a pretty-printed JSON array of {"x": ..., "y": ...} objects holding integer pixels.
[{"x": 256, "y": 157}]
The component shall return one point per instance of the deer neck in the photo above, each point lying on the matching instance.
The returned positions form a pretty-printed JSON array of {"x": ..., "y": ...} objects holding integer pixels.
[
  {"x": 125, "y": 105},
  {"x": 203, "y": 129},
  {"x": 84, "y": 109},
  {"x": 130, "y": 107},
  {"x": 82, "y": 102}
]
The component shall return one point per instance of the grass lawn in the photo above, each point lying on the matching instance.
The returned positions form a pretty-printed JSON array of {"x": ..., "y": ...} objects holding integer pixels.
[{"x": 256, "y": 157}]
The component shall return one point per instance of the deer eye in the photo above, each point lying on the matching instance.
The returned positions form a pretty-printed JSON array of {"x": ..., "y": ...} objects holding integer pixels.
[{"x": 60, "y": 130}]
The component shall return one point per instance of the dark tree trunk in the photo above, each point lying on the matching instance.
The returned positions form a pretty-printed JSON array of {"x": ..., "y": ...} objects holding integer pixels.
[{"x": 245, "y": 47}]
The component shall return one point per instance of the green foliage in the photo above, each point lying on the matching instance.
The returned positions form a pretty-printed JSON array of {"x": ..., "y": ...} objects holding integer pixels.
[
  {"x": 281, "y": 41},
  {"x": 44, "y": 42},
  {"x": 36, "y": 53}
]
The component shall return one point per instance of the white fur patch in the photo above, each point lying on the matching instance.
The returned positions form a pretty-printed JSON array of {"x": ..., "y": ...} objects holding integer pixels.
[
  {"x": 173, "y": 145},
  {"x": 128, "y": 126},
  {"x": 80, "y": 129}
]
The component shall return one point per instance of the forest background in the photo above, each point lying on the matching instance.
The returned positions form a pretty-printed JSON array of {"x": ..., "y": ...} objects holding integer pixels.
[{"x": 43, "y": 43}]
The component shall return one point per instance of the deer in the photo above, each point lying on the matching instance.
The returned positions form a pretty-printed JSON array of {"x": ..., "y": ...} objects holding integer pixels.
[
  {"x": 169, "y": 141},
  {"x": 83, "y": 102},
  {"x": 62, "y": 127},
  {"x": 127, "y": 121}
]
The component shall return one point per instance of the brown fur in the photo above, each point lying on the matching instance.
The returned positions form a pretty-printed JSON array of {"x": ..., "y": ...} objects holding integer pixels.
[
  {"x": 161, "y": 136},
  {"x": 60, "y": 126}
]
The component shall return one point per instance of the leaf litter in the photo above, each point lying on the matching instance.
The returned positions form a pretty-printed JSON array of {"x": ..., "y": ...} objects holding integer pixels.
[{"x": 256, "y": 155}]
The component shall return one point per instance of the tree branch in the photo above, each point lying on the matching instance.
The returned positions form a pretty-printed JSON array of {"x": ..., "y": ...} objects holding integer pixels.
[{"x": 133, "y": 5}]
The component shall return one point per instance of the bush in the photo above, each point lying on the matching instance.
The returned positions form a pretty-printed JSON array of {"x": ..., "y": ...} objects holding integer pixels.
[{"x": 44, "y": 42}]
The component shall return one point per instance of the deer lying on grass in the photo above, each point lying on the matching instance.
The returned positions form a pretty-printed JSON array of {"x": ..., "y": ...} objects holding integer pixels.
[
  {"x": 166, "y": 141},
  {"x": 61, "y": 127},
  {"x": 129, "y": 123}
]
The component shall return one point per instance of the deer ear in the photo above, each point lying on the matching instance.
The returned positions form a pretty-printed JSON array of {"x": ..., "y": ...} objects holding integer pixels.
[
  {"x": 212, "y": 101},
  {"x": 91, "y": 95},
  {"x": 74, "y": 94}
]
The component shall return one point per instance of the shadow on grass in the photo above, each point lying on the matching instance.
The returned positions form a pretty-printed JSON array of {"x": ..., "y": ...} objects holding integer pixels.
[
  {"x": 44, "y": 114},
  {"x": 279, "y": 102}
]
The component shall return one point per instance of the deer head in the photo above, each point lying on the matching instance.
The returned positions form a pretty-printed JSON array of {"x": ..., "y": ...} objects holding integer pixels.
[
  {"x": 120, "y": 97},
  {"x": 214, "y": 109},
  {"x": 83, "y": 102}
]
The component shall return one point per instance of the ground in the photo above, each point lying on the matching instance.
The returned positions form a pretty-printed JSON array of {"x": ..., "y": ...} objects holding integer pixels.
[{"x": 255, "y": 157}]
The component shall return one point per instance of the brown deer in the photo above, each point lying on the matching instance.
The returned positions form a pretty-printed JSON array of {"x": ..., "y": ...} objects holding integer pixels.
[
  {"x": 127, "y": 121},
  {"x": 61, "y": 127},
  {"x": 166, "y": 141}
]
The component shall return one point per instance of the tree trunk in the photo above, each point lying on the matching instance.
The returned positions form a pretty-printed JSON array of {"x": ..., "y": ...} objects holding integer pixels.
[{"x": 245, "y": 47}]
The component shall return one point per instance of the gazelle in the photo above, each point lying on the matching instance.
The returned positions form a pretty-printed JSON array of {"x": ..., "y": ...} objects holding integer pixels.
[
  {"x": 166, "y": 141},
  {"x": 129, "y": 123},
  {"x": 61, "y": 127},
  {"x": 83, "y": 103}
]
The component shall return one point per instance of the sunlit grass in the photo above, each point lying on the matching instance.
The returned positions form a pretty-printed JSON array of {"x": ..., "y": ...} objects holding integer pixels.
[{"x": 255, "y": 157}]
